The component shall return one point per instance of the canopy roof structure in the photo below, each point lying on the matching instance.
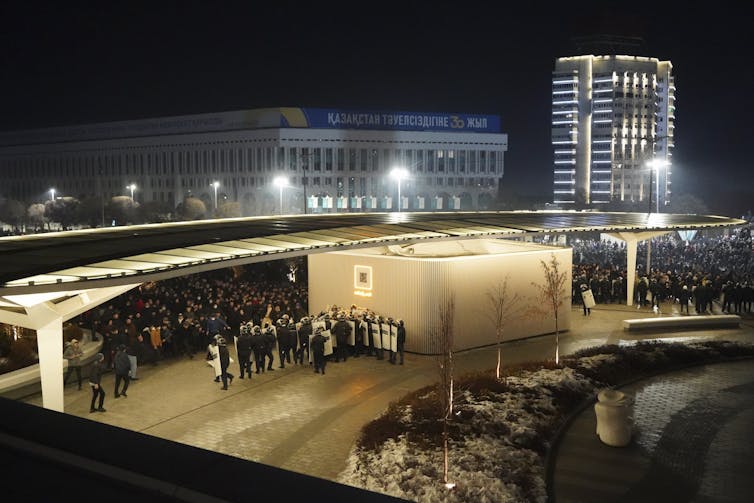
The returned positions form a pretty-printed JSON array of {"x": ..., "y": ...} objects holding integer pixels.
[
  {"x": 84, "y": 259},
  {"x": 47, "y": 279}
]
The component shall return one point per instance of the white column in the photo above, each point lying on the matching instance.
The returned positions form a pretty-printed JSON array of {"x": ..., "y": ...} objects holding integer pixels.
[
  {"x": 630, "y": 270},
  {"x": 631, "y": 239},
  {"x": 50, "y": 344}
]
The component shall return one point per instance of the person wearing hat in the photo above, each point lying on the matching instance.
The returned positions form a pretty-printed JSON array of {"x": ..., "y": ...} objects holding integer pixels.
[
  {"x": 304, "y": 331},
  {"x": 122, "y": 371},
  {"x": 684, "y": 297},
  {"x": 224, "y": 357},
  {"x": 244, "y": 347},
  {"x": 318, "y": 348},
  {"x": 95, "y": 381},
  {"x": 73, "y": 354},
  {"x": 342, "y": 331}
]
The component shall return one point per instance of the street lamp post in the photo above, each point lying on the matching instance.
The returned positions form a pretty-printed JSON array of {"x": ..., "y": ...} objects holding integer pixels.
[
  {"x": 399, "y": 174},
  {"x": 280, "y": 182},
  {"x": 132, "y": 187},
  {"x": 215, "y": 185}
]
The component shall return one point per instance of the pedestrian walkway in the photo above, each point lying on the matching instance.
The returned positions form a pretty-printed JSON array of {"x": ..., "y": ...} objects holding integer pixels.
[
  {"x": 692, "y": 442},
  {"x": 295, "y": 419}
]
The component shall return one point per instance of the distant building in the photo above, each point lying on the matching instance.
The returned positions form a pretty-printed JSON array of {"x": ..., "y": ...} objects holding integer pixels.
[
  {"x": 340, "y": 160},
  {"x": 611, "y": 115}
]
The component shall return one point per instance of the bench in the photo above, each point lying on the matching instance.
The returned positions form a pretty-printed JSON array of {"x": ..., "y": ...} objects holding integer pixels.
[
  {"x": 16, "y": 380},
  {"x": 681, "y": 322}
]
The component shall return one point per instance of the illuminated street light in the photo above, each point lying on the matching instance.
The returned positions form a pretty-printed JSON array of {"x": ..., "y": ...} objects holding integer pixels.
[
  {"x": 399, "y": 174},
  {"x": 280, "y": 182},
  {"x": 132, "y": 187},
  {"x": 215, "y": 185},
  {"x": 52, "y": 195}
]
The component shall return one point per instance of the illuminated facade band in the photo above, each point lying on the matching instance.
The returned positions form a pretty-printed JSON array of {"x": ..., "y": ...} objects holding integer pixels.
[
  {"x": 339, "y": 160},
  {"x": 611, "y": 115}
]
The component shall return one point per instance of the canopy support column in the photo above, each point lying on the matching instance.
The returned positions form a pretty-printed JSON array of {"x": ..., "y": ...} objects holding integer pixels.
[
  {"x": 46, "y": 318},
  {"x": 631, "y": 239}
]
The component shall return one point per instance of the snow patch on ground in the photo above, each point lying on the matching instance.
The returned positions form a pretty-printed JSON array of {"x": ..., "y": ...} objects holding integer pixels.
[{"x": 493, "y": 463}]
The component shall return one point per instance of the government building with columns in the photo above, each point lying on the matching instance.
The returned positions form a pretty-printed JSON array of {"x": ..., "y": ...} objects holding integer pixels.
[{"x": 334, "y": 160}]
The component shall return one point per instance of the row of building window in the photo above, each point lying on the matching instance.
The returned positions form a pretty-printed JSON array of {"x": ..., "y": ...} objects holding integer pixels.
[{"x": 255, "y": 160}]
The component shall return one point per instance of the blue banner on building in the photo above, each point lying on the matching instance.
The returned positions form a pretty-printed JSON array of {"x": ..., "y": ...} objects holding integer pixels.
[{"x": 400, "y": 121}]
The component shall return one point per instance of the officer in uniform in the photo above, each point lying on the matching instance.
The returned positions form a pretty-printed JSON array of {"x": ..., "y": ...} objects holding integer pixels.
[
  {"x": 342, "y": 330},
  {"x": 269, "y": 346},
  {"x": 292, "y": 340},
  {"x": 304, "y": 331},
  {"x": 244, "y": 347},
  {"x": 257, "y": 345},
  {"x": 318, "y": 347},
  {"x": 282, "y": 338}
]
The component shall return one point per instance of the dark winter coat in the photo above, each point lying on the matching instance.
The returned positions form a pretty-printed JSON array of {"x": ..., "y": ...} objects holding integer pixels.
[
  {"x": 342, "y": 330},
  {"x": 318, "y": 344},
  {"x": 122, "y": 363},
  {"x": 222, "y": 350},
  {"x": 303, "y": 335},
  {"x": 244, "y": 344}
]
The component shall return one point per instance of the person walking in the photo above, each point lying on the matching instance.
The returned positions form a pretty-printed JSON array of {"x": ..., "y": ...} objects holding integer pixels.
[
  {"x": 73, "y": 354},
  {"x": 587, "y": 299},
  {"x": 95, "y": 381},
  {"x": 318, "y": 348},
  {"x": 224, "y": 357},
  {"x": 213, "y": 358},
  {"x": 281, "y": 332},
  {"x": 122, "y": 364},
  {"x": 269, "y": 346},
  {"x": 684, "y": 298}
]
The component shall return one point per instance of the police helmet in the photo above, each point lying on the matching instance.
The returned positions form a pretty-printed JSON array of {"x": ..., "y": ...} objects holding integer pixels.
[
  {"x": 245, "y": 329},
  {"x": 256, "y": 330},
  {"x": 291, "y": 323},
  {"x": 221, "y": 341},
  {"x": 305, "y": 320}
]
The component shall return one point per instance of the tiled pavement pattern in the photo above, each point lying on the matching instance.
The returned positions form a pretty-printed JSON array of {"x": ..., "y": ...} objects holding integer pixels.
[
  {"x": 686, "y": 422},
  {"x": 305, "y": 422}
]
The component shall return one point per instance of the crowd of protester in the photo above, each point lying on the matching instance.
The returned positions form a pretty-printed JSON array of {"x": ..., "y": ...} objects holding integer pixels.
[
  {"x": 198, "y": 316},
  {"x": 706, "y": 270}
]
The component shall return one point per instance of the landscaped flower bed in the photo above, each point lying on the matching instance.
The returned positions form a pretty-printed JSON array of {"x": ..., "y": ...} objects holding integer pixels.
[{"x": 501, "y": 430}]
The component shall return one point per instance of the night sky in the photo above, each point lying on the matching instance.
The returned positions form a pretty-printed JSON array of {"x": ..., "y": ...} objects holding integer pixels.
[{"x": 129, "y": 60}]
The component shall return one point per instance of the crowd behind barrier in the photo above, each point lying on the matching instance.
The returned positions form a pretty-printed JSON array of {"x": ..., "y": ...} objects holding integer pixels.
[{"x": 697, "y": 272}]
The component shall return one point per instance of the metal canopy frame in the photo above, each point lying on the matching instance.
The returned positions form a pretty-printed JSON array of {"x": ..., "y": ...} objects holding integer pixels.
[{"x": 85, "y": 259}]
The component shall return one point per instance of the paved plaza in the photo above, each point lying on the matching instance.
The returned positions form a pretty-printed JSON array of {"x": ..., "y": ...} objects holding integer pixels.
[{"x": 693, "y": 434}]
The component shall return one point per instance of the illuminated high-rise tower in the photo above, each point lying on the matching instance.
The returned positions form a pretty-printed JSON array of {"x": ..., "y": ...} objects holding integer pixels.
[{"x": 612, "y": 130}]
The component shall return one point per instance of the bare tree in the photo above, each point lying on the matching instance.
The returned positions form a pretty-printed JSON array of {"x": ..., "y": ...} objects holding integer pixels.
[
  {"x": 36, "y": 214},
  {"x": 503, "y": 307},
  {"x": 443, "y": 342},
  {"x": 551, "y": 295}
]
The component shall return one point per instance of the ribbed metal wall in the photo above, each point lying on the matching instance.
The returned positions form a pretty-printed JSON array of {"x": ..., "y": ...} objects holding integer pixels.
[{"x": 414, "y": 289}]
